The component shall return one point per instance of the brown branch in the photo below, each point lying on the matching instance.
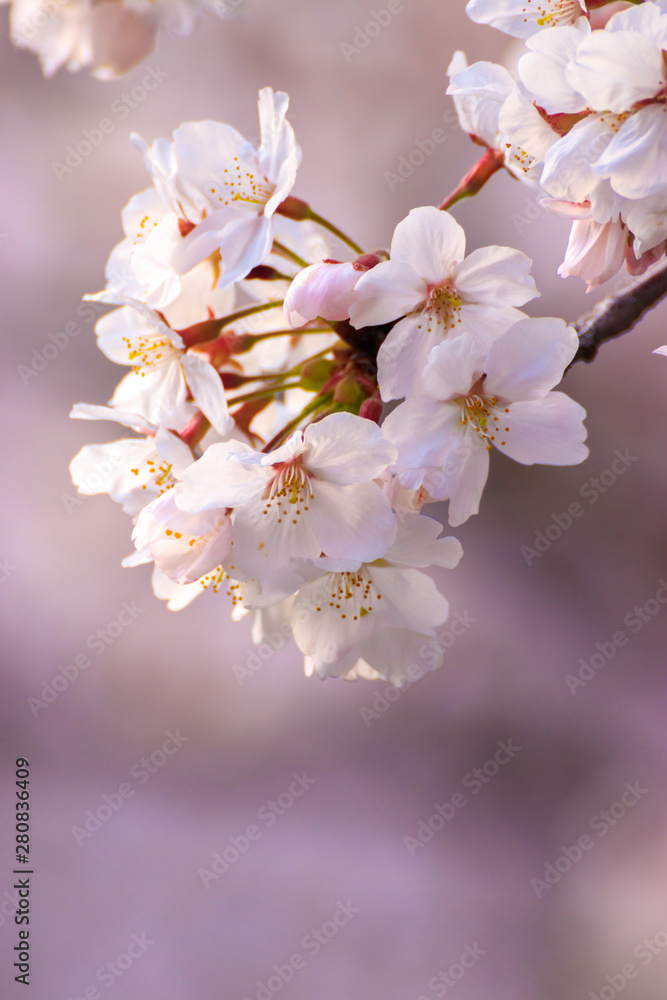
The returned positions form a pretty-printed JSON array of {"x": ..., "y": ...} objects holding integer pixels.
[{"x": 618, "y": 313}]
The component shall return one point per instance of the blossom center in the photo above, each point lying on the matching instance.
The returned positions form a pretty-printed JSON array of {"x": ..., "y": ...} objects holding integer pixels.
[
  {"x": 444, "y": 304},
  {"x": 157, "y": 473},
  {"x": 289, "y": 493},
  {"x": 239, "y": 184},
  {"x": 150, "y": 350},
  {"x": 484, "y": 416},
  {"x": 350, "y": 595},
  {"x": 553, "y": 12}
]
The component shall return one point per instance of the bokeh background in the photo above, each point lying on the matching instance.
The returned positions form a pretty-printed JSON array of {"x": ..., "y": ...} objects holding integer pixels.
[{"x": 376, "y": 776}]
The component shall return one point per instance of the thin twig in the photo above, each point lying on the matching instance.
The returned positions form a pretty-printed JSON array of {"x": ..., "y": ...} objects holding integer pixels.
[{"x": 618, "y": 313}]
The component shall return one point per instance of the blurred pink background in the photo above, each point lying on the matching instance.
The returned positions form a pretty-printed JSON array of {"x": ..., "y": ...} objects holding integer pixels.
[{"x": 375, "y": 776}]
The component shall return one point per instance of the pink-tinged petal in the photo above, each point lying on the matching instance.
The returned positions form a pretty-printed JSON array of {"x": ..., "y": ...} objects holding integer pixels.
[
  {"x": 351, "y": 520},
  {"x": 326, "y": 290},
  {"x": 614, "y": 70},
  {"x": 173, "y": 450},
  {"x": 184, "y": 546},
  {"x": 403, "y": 355},
  {"x": 595, "y": 251},
  {"x": 660, "y": 350},
  {"x": 542, "y": 70},
  {"x": 635, "y": 161},
  {"x": 479, "y": 92},
  {"x": 176, "y": 595},
  {"x": 386, "y": 292},
  {"x": 279, "y": 155},
  {"x": 88, "y": 411},
  {"x": 462, "y": 477},
  {"x": 485, "y": 324},
  {"x": 568, "y": 173},
  {"x": 267, "y": 537},
  {"x": 105, "y": 468},
  {"x": 529, "y": 360},
  {"x": 495, "y": 276},
  {"x": 547, "y": 431},
  {"x": 343, "y": 448},
  {"x": 418, "y": 544},
  {"x": 221, "y": 478},
  {"x": 152, "y": 263},
  {"x": 410, "y": 599},
  {"x": 323, "y": 632},
  {"x": 423, "y": 430},
  {"x": 453, "y": 368},
  {"x": 120, "y": 39},
  {"x": 205, "y": 385},
  {"x": 431, "y": 242}
]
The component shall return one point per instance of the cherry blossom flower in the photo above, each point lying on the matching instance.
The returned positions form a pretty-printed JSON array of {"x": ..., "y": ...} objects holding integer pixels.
[
  {"x": 340, "y": 613},
  {"x": 523, "y": 17},
  {"x": 136, "y": 335},
  {"x": 220, "y": 194},
  {"x": 443, "y": 293},
  {"x": 315, "y": 494},
  {"x": 475, "y": 400},
  {"x": 133, "y": 471}
]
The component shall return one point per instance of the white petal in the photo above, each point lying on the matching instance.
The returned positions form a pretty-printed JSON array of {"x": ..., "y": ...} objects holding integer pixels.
[
  {"x": 548, "y": 431},
  {"x": 221, "y": 478},
  {"x": 529, "y": 360},
  {"x": 635, "y": 160},
  {"x": 431, "y": 241},
  {"x": 351, "y": 521},
  {"x": 495, "y": 276},
  {"x": 389, "y": 290},
  {"x": 206, "y": 387},
  {"x": 418, "y": 544},
  {"x": 616, "y": 69},
  {"x": 343, "y": 448}
]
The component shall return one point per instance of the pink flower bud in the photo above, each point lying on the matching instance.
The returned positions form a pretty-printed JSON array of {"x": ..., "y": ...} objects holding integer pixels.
[{"x": 325, "y": 290}]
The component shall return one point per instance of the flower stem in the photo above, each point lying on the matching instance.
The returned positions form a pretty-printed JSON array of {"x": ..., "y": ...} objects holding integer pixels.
[
  {"x": 315, "y": 404},
  {"x": 286, "y": 252},
  {"x": 314, "y": 217},
  {"x": 262, "y": 393}
]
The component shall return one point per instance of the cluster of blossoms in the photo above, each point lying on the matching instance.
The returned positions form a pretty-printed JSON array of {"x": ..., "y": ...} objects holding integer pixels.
[
  {"x": 585, "y": 124},
  {"x": 107, "y": 37},
  {"x": 260, "y": 465}
]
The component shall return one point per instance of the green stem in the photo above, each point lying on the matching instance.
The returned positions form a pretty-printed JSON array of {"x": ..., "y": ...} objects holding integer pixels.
[
  {"x": 250, "y": 311},
  {"x": 286, "y": 252},
  {"x": 314, "y": 217},
  {"x": 315, "y": 404},
  {"x": 262, "y": 393}
]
